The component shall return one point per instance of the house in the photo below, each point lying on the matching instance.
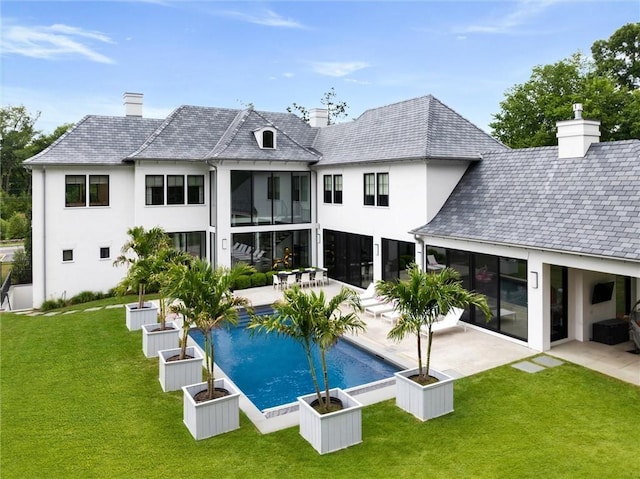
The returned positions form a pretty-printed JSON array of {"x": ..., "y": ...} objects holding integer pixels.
[{"x": 535, "y": 230}]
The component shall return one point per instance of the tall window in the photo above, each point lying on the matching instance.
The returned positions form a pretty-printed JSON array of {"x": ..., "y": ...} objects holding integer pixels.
[
  {"x": 273, "y": 188},
  {"x": 154, "y": 192},
  {"x": 267, "y": 139},
  {"x": 328, "y": 186},
  {"x": 175, "y": 189},
  {"x": 195, "y": 189},
  {"x": 369, "y": 189},
  {"x": 337, "y": 189},
  {"x": 75, "y": 190},
  {"x": 383, "y": 189},
  {"x": 98, "y": 190}
]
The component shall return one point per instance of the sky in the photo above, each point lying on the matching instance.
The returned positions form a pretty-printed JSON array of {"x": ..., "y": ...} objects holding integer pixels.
[{"x": 68, "y": 59}]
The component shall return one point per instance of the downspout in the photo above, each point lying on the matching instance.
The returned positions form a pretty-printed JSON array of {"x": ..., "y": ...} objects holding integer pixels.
[
  {"x": 213, "y": 251},
  {"x": 44, "y": 232}
]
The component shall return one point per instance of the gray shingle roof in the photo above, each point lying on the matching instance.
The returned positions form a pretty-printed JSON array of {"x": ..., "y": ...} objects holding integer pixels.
[
  {"x": 197, "y": 133},
  {"x": 417, "y": 128},
  {"x": 529, "y": 197},
  {"x": 97, "y": 140}
]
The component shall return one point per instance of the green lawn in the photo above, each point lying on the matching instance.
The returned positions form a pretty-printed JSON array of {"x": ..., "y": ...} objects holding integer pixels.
[{"x": 79, "y": 399}]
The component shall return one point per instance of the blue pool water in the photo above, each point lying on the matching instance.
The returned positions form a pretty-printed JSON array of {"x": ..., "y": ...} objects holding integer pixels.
[{"x": 272, "y": 370}]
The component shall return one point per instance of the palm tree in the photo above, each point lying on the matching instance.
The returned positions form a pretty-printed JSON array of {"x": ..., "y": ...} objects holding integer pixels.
[
  {"x": 421, "y": 300},
  {"x": 308, "y": 319},
  {"x": 161, "y": 264},
  {"x": 207, "y": 299},
  {"x": 144, "y": 244}
]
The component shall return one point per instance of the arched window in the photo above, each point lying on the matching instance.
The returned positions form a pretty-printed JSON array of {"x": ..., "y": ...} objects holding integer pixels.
[{"x": 267, "y": 139}]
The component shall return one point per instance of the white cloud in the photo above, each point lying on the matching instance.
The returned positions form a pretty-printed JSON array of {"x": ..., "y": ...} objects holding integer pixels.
[
  {"x": 267, "y": 18},
  {"x": 338, "y": 69},
  {"x": 53, "y": 42},
  {"x": 287, "y": 75},
  {"x": 357, "y": 82},
  {"x": 513, "y": 20}
]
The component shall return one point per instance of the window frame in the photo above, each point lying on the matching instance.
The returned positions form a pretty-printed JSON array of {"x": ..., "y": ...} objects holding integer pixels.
[
  {"x": 97, "y": 198},
  {"x": 382, "y": 199},
  {"x": 175, "y": 192},
  {"x": 81, "y": 194},
  {"x": 369, "y": 189},
  {"x": 102, "y": 249},
  {"x": 151, "y": 192},
  {"x": 195, "y": 190},
  {"x": 69, "y": 255},
  {"x": 337, "y": 189},
  {"x": 327, "y": 181}
]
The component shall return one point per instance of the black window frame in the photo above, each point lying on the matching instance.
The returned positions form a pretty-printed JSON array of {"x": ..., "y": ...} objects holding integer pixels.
[
  {"x": 337, "y": 189},
  {"x": 97, "y": 195},
  {"x": 154, "y": 194},
  {"x": 76, "y": 190},
  {"x": 67, "y": 255},
  {"x": 195, "y": 192},
  {"x": 381, "y": 198},
  {"x": 175, "y": 192},
  {"x": 268, "y": 140},
  {"x": 369, "y": 183},
  {"x": 327, "y": 181},
  {"x": 105, "y": 252}
]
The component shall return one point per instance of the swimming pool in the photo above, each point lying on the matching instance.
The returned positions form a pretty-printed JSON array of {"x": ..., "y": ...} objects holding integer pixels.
[{"x": 272, "y": 370}]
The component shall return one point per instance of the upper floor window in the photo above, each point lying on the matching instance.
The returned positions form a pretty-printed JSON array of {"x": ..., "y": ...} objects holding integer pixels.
[
  {"x": 195, "y": 189},
  {"x": 75, "y": 190},
  {"x": 376, "y": 189},
  {"x": 337, "y": 189},
  {"x": 75, "y": 193},
  {"x": 154, "y": 190},
  {"x": 328, "y": 187},
  {"x": 98, "y": 190},
  {"x": 175, "y": 189},
  {"x": 369, "y": 189},
  {"x": 266, "y": 138}
]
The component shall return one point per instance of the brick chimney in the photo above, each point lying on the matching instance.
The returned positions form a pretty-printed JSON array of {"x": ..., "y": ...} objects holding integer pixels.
[
  {"x": 132, "y": 104},
  {"x": 575, "y": 136},
  {"x": 318, "y": 117}
]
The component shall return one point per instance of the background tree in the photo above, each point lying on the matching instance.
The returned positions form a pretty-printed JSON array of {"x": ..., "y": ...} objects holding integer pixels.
[
  {"x": 619, "y": 56},
  {"x": 337, "y": 109},
  {"x": 530, "y": 110}
]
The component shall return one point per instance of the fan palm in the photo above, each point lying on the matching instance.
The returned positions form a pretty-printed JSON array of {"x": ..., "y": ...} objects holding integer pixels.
[
  {"x": 309, "y": 320},
  {"x": 421, "y": 300},
  {"x": 206, "y": 296}
]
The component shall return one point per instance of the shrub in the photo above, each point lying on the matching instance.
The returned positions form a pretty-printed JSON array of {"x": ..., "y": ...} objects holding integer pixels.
[
  {"x": 243, "y": 282},
  {"x": 258, "y": 279},
  {"x": 21, "y": 269},
  {"x": 85, "y": 297},
  {"x": 17, "y": 226},
  {"x": 50, "y": 304},
  {"x": 269, "y": 277},
  {"x": 4, "y": 226}
]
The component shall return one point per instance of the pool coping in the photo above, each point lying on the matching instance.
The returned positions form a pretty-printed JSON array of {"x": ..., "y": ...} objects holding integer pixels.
[{"x": 286, "y": 415}]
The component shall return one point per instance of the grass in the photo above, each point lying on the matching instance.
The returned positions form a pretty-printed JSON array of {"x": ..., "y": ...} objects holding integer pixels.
[{"x": 79, "y": 399}]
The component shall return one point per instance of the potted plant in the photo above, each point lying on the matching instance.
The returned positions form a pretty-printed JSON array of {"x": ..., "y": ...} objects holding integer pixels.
[
  {"x": 143, "y": 244},
  {"x": 422, "y": 300},
  {"x": 162, "y": 335},
  {"x": 211, "y": 407},
  {"x": 330, "y": 419}
]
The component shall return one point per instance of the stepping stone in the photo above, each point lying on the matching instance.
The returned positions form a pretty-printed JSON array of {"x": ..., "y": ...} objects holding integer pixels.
[
  {"x": 548, "y": 361},
  {"x": 113, "y": 306},
  {"x": 54, "y": 313},
  {"x": 35, "y": 313},
  {"x": 94, "y": 309},
  {"x": 70, "y": 312},
  {"x": 528, "y": 367}
]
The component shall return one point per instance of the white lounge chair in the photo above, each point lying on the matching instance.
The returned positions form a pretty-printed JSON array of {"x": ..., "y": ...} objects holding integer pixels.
[
  {"x": 391, "y": 316},
  {"x": 368, "y": 293},
  {"x": 365, "y": 303},
  {"x": 432, "y": 263},
  {"x": 377, "y": 309},
  {"x": 450, "y": 320}
]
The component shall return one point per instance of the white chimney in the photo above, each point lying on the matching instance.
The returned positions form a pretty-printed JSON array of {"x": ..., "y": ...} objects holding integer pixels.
[
  {"x": 575, "y": 136},
  {"x": 318, "y": 117},
  {"x": 132, "y": 104}
]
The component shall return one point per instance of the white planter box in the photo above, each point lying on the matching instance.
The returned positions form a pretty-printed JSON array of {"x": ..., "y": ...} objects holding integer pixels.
[
  {"x": 137, "y": 317},
  {"x": 424, "y": 402},
  {"x": 154, "y": 340},
  {"x": 210, "y": 418},
  {"x": 175, "y": 374},
  {"x": 332, "y": 431}
]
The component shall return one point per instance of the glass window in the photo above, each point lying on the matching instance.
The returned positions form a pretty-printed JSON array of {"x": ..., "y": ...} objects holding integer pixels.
[
  {"x": 75, "y": 190},
  {"x": 154, "y": 190},
  {"x": 327, "y": 188},
  {"x": 383, "y": 189},
  {"x": 267, "y": 139},
  {"x": 369, "y": 189},
  {"x": 175, "y": 189},
  {"x": 67, "y": 255},
  {"x": 513, "y": 297},
  {"x": 195, "y": 189},
  {"x": 262, "y": 198},
  {"x": 241, "y": 199},
  {"x": 105, "y": 253},
  {"x": 98, "y": 190},
  {"x": 193, "y": 242},
  {"x": 301, "y": 205},
  {"x": 396, "y": 256},
  {"x": 337, "y": 189},
  {"x": 282, "y": 197},
  {"x": 348, "y": 257},
  {"x": 273, "y": 188}
]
